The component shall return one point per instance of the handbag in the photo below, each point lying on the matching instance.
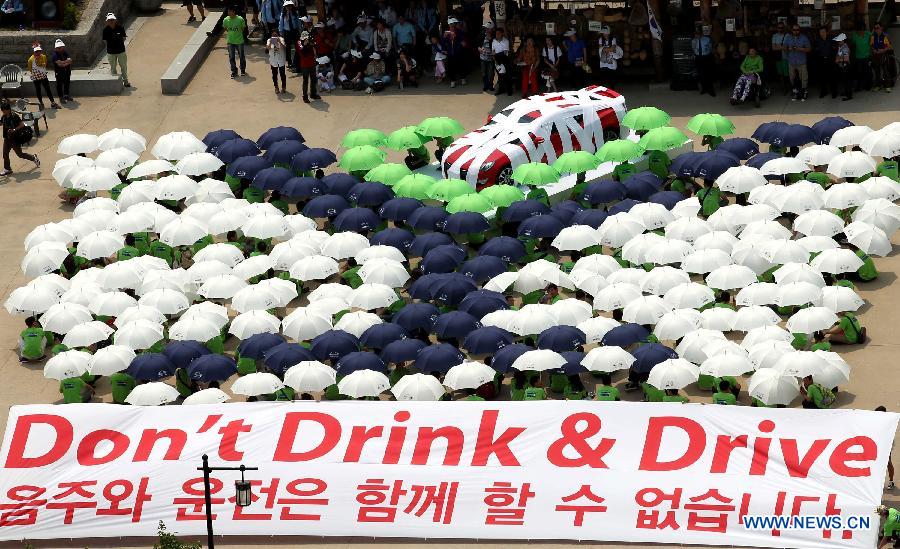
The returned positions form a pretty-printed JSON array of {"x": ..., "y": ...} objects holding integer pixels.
[{"x": 23, "y": 135}]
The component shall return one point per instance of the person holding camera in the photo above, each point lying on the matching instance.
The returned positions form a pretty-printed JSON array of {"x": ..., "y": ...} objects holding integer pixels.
[
  {"x": 306, "y": 62},
  {"x": 15, "y": 134}
]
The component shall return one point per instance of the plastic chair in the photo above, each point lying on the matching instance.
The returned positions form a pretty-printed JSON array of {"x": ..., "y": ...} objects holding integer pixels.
[
  {"x": 11, "y": 78},
  {"x": 31, "y": 118}
]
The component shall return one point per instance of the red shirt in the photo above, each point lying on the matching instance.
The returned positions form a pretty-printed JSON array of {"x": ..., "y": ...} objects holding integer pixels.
[{"x": 306, "y": 56}]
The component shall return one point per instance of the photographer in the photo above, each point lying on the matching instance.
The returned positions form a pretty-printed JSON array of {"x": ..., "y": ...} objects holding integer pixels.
[
  {"x": 306, "y": 62},
  {"x": 15, "y": 134}
]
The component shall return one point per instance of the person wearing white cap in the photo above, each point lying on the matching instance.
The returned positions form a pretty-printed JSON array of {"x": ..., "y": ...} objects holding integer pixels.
[
  {"x": 454, "y": 43},
  {"x": 845, "y": 68},
  {"x": 37, "y": 66},
  {"x": 289, "y": 28},
  {"x": 487, "y": 57},
  {"x": 376, "y": 74},
  {"x": 324, "y": 74},
  {"x": 114, "y": 36},
  {"x": 361, "y": 37},
  {"x": 352, "y": 70},
  {"x": 610, "y": 53},
  {"x": 189, "y": 4},
  {"x": 306, "y": 61},
  {"x": 62, "y": 68}
]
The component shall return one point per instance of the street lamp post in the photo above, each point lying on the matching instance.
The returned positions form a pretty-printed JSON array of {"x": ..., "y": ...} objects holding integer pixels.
[{"x": 242, "y": 495}]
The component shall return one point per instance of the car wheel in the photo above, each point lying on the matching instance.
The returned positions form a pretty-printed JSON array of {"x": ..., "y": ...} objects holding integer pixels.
[{"x": 505, "y": 176}]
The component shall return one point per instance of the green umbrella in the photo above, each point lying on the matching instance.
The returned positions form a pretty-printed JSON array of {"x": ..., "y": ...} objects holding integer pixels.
[
  {"x": 415, "y": 186},
  {"x": 710, "y": 124},
  {"x": 576, "y": 162},
  {"x": 502, "y": 196},
  {"x": 619, "y": 150},
  {"x": 406, "y": 138},
  {"x": 440, "y": 126},
  {"x": 663, "y": 139},
  {"x": 448, "y": 189},
  {"x": 646, "y": 118},
  {"x": 362, "y": 158},
  {"x": 388, "y": 173},
  {"x": 363, "y": 136},
  {"x": 535, "y": 173},
  {"x": 471, "y": 202}
]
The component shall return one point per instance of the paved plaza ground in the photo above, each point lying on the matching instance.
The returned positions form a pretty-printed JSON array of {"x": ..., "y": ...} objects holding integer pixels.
[{"x": 250, "y": 106}]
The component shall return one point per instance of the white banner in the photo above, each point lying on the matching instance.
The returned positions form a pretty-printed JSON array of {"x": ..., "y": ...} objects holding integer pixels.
[{"x": 611, "y": 471}]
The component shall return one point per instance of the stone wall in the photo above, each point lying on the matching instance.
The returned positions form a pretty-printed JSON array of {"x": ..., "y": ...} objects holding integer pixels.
[{"x": 84, "y": 43}]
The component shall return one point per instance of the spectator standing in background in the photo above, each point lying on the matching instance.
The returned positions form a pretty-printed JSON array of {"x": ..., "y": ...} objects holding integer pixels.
[
  {"x": 610, "y": 53},
  {"x": 487, "y": 58},
  {"x": 189, "y": 4},
  {"x": 289, "y": 28},
  {"x": 454, "y": 43},
  {"x": 234, "y": 26},
  {"x": 12, "y": 124},
  {"x": 269, "y": 15},
  {"x": 529, "y": 58},
  {"x": 114, "y": 36},
  {"x": 62, "y": 68},
  {"x": 576, "y": 52},
  {"x": 500, "y": 49},
  {"x": 276, "y": 47},
  {"x": 861, "y": 42},
  {"x": 824, "y": 52},
  {"x": 386, "y": 13},
  {"x": 551, "y": 56},
  {"x": 37, "y": 66},
  {"x": 703, "y": 54},
  {"x": 882, "y": 59},
  {"x": 797, "y": 45},
  {"x": 844, "y": 65},
  {"x": 404, "y": 34},
  {"x": 779, "y": 56},
  {"x": 306, "y": 61}
]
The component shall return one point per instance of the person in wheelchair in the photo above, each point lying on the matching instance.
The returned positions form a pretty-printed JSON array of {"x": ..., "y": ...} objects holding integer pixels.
[{"x": 751, "y": 71}]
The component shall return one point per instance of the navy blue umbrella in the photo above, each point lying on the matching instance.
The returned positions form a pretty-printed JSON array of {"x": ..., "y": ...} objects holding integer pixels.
[
  {"x": 399, "y": 208},
  {"x": 284, "y": 151},
  {"x": 303, "y": 187},
  {"x": 466, "y": 222},
  {"x": 370, "y": 194},
  {"x": 603, "y": 192},
  {"x": 592, "y": 218},
  {"x": 378, "y": 336},
  {"x": 483, "y": 268},
  {"x": 213, "y": 139},
  {"x": 255, "y": 346},
  {"x": 425, "y": 242},
  {"x": 826, "y": 127},
  {"x": 427, "y": 218},
  {"x": 454, "y": 324},
  {"x": 247, "y": 167},
  {"x": 667, "y": 198},
  {"x": 233, "y": 149},
  {"x": 151, "y": 367},
  {"x": 450, "y": 289},
  {"x": 573, "y": 364},
  {"x": 181, "y": 353},
  {"x": 784, "y": 135},
  {"x": 623, "y": 206},
  {"x": 359, "y": 360},
  {"x": 313, "y": 159},
  {"x": 487, "y": 340},
  {"x": 281, "y": 357},
  {"x": 402, "y": 350},
  {"x": 767, "y": 131},
  {"x": 649, "y": 355},
  {"x": 333, "y": 344},
  {"x": 356, "y": 219},
  {"x": 625, "y": 335},
  {"x": 442, "y": 259},
  {"x": 565, "y": 210},
  {"x": 278, "y": 133},
  {"x": 482, "y": 302},
  {"x": 503, "y": 359},
  {"x": 438, "y": 358},
  {"x": 542, "y": 226},
  {"x": 506, "y": 248},
  {"x": 327, "y": 205},
  {"x": 272, "y": 179},
  {"x": 561, "y": 338},
  {"x": 340, "y": 183},
  {"x": 393, "y": 236},
  {"x": 421, "y": 287},
  {"x": 740, "y": 147},
  {"x": 641, "y": 185},
  {"x": 212, "y": 368},
  {"x": 761, "y": 158},
  {"x": 707, "y": 165},
  {"x": 523, "y": 209},
  {"x": 414, "y": 316}
]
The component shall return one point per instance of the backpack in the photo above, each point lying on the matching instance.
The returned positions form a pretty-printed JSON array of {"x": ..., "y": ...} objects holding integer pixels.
[
  {"x": 23, "y": 135},
  {"x": 828, "y": 397}
]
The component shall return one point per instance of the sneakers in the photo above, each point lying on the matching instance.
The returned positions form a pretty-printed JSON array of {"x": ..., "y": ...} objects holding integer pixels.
[
  {"x": 369, "y": 90},
  {"x": 55, "y": 105},
  {"x": 127, "y": 84},
  {"x": 890, "y": 485},
  {"x": 243, "y": 73},
  {"x": 37, "y": 162},
  {"x": 283, "y": 90},
  {"x": 192, "y": 19},
  {"x": 4, "y": 173},
  {"x": 233, "y": 75}
]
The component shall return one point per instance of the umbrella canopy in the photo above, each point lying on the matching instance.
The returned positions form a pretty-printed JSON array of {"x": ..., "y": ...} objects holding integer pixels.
[
  {"x": 212, "y": 395},
  {"x": 418, "y": 387},
  {"x": 469, "y": 375},
  {"x": 260, "y": 383},
  {"x": 535, "y": 173},
  {"x": 645, "y": 118},
  {"x": 334, "y": 344},
  {"x": 281, "y": 357},
  {"x": 470, "y": 202},
  {"x": 277, "y": 134},
  {"x": 851, "y": 164},
  {"x": 662, "y": 138},
  {"x": 416, "y": 186},
  {"x": 783, "y": 134},
  {"x": 212, "y": 367},
  {"x": 849, "y": 136},
  {"x": 361, "y": 158},
  {"x": 151, "y": 367},
  {"x": 67, "y": 364},
  {"x": 247, "y": 167},
  {"x": 364, "y": 383},
  {"x": 576, "y": 162},
  {"x": 741, "y": 147},
  {"x": 152, "y": 394},
  {"x": 771, "y": 387},
  {"x": 439, "y": 126},
  {"x": 647, "y": 356},
  {"x": 710, "y": 124},
  {"x": 538, "y": 361},
  {"x": 502, "y": 196},
  {"x": 309, "y": 376},
  {"x": 307, "y": 159},
  {"x": 607, "y": 359},
  {"x": 825, "y": 128},
  {"x": 619, "y": 150},
  {"x": 82, "y": 143},
  {"x": 438, "y": 358},
  {"x": 363, "y": 136},
  {"x": 388, "y": 173},
  {"x": 406, "y": 138},
  {"x": 674, "y": 373}
]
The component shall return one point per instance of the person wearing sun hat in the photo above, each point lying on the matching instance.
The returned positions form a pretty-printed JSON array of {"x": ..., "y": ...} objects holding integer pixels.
[
  {"x": 324, "y": 74},
  {"x": 62, "y": 68},
  {"x": 376, "y": 74},
  {"x": 289, "y": 28},
  {"x": 306, "y": 62},
  {"x": 845, "y": 68},
  {"x": 114, "y": 36},
  {"x": 37, "y": 66}
]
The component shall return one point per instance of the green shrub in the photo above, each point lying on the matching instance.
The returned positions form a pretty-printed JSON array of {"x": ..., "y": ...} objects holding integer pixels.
[
  {"x": 167, "y": 540},
  {"x": 70, "y": 16}
]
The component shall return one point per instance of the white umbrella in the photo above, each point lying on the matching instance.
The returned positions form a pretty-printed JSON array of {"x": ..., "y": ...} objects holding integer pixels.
[
  {"x": 851, "y": 164},
  {"x": 668, "y": 250},
  {"x": 766, "y": 333},
  {"x": 468, "y": 375},
  {"x": 754, "y": 316},
  {"x": 818, "y": 243},
  {"x": 48, "y": 232},
  {"x": 183, "y": 231},
  {"x": 594, "y": 328},
  {"x": 81, "y": 143},
  {"x": 132, "y": 222},
  {"x": 616, "y": 296},
  {"x": 688, "y": 229},
  {"x": 576, "y": 237},
  {"x": 210, "y": 191},
  {"x": 261, "y": 209},
  {"x": 208, "y": 310},
  {"x": 284, "y": 290},
  {"x": 227, "y": 220},
  {"x": 879, "y": 212},
  {"x": 344, "y": 245},
  {"x": 532, "y": 320},
  {"x": 99, "y": 244},
  {"x": 603, "y": 265},
  {"x": 765, "y": 228},
  {"x": 201, "y": 271},
  {"x": 645, "y": 310},
  {"x": 150, "y": 168},
  {"x": 635, "y": 250},
  {"x": 309, "y": 376},
  {"x": 799, "y": 272},
  {"x": 845, "y": 195},
  {"x": 692, "y": 344},
  {"x": 766, "y": 354},
  {"x": 95, "y": 178},
  {"x": 168, "y": 302},
  {"x": 800, "y": 363},
  {"x": 538, "y": 361},
  {"x": 65, "y": 169},
  {"x": 653, "y": 216},
  {"x": 110, "y": 359},
  {"x": 673, "y": 373},
  {"x": 117, "y": 159},
  {"x": 797, "y": 293},
  {"x": 84, "y": 295},
  {"x": 377, "y": 252},
  {"x": 67, "y": 364},
  {"x": 194, "y": 328},
  {"x": 364, "y": 383},
  {"x": 779, "y": 252},
  {"x": 590, "y": 283},
  {"x": 783, "y": 165},
  {"x": 285, "y": 254},
  {"x": 833, "y": 371},
  {"x": 100, "y": 203},
  {"x": 139, "y": 312},
  {"x": 199, "y": 163},
  {"x": 772, "y": 387},
  {"x": 265, "y": 226},
  {"x": 329, "y": 306},
  {"x": 849, "y": 136},
  {"x": 818, "y": 155},
  {"x": 503, "y": 318},
  {"x": 62, "y": 317},
  {"x": 315, "y": 267},
  {"x": 618, "y": 229},
  {"x": 299, "y": 224},
  {"x": 811, "y": 319},
  {"x": 836, "y": 298},
  {"x": 138, "y": 334},
  {"x": 749, "y": 256},
  {"x": 86, "y": 334},
  {"x": 122, "y": 138},
  {"x": 212, "y": 395},
  {"x": 799, "y": 199},
  {"x": 44, "y": 258},
  {"x": 223, "y": 286},
  {"x": 706, "y": 261},
  {"x": 839, "y": 260},
  {"x": 226, "y": 253},
  {"x": 330, "y": 290},
  {"x": 718, "y": 318},
  {"x": 370, "y": 296},
  {"x": 138, "y": 192},
  {"x": 357, "y": 322},
  {"x": 740, "y": 179},
  {"x": 253, "y": 322},
  {"x": 155, "y": 393},
  {"x": 384, "y": 271},
  {"x": 676, "y": 324},
  {"x": 253, "y": 266},
  {"x": 722, "y": 365},
  {"x": 418, "y": 387},
  {"x": 730, "y": 277},
  {"x": 111, "y": 303},
  {"x": 260, "y": 383},
  {"x": 881, "y": 143},
  {"x": 881, "y": 187},
  {"x": 175, "y": 187},
  {"x": 818, "y": 223},
  {"x": 689, "y": 207},
  {"x": 662, "y": 279},
  {"x": 607, "y": 359},
  {"x": 177, "y": 145},
  {"x": 253, "y": 298}
]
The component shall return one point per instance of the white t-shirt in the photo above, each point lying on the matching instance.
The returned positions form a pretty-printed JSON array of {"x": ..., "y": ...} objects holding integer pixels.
[
  {"x": 609, "y": 60},
  {"x": 552, "y": 55},
  {"x": 276, "y": 52},
  {"x": 499, "y": 46}
]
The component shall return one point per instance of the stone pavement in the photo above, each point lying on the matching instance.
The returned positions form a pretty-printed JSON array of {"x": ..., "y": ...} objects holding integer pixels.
[{"x": 250, "y": 106}]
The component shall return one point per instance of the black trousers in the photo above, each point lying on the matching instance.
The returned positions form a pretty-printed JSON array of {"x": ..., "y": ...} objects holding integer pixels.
[
  {"x": 843, "y": 76},
  {"x": 10, "y": 145},
  {"x": 43, "y": 83},
  {"x": 63, "y": 80},
  {"x": 290, "y": 38},
  {"x": 308, "y": 83},
  {"x": 275, "y": 72},
  {"x": 706, "y": 74}
]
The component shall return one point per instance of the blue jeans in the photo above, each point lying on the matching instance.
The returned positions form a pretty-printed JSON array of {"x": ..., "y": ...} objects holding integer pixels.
[
  {"x": 370, "y": 81},
  {"x": 234, "y": 49}
]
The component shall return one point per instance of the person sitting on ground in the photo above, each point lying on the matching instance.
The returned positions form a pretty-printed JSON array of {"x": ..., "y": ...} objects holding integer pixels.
[
  {"x": 376, "y": 74},
  {"x": 75, "y": 390},
  {"x": 121, "y": 384},
  {"x": 324, "y": 74},
  {"x": 33, "y": 341},
  {"x": 13, "y": 13},
  {"x": 353, "y": 70},
  {"x": 751, "y": 69},
  {"x": 815, "y": 395},
  {"x": 890, "y": 530},
  {"x": 672, "y": 395},
  {"x": 406, "y": 70},
  {"x": 724, "y": 395},
  {"x": 847, "y": 331}
]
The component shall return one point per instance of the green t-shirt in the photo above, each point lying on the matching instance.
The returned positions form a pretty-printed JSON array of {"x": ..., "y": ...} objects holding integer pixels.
[
  {"x": 202, "y": 243},
  {"x": 891, "y": 523},
  {"x": 352, "y": 278},
  {"x": 623, "y": 171},
  {"x": 284, "y": 394},
  {"x": 234, "y": 29},
  {"x": 122, "y": 384},
  {"x": 709, "y": 198},
  {"x": 34, "y": 341},
  {"x": 216, "y": 345},
  {"x": 163, "y": 251},
  {"x": 861, "y": 47},
  {"x": 282, "y": 205},
  {"x": 675, "y": 398},
  {"x": 142, "y": 242},
  {"x": 474, "y": 397},
  {"x": 823, "y": 346},
  {"x": 534, "y": 393},
  {"x": 888, "y": 168},
  {"x": 606, "y": 393},
  {"x": 117, "y": 190},
  {"x": 73, "y": 390},
  {"x": 58, "y": 348},
  {"x": 818, "y": 177},
  {"x": 867, "y": 271},
  {"x": 851, "y": 328},
  {"x": 253, "y": 195},
  {"x": 659, "y": 162},
  {"x": 816, "y": 394},
  {"x": 127, "y": 252},
  {"x": 724, "y": 398}
]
